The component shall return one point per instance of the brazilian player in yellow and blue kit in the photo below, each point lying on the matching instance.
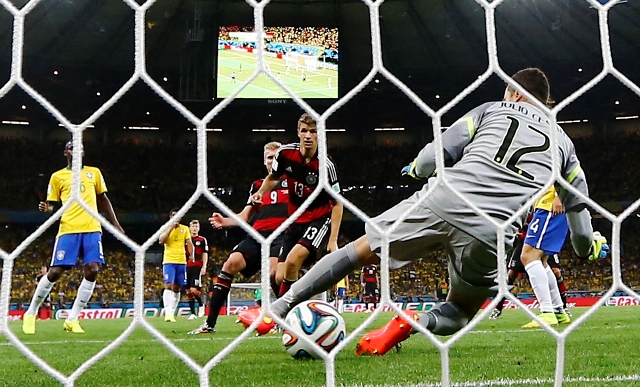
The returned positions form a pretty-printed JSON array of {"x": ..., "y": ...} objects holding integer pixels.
[
  {"x": 174, "y": 263},
  {"x": 544, "y": 238},
  {"x": 80, "y": 235}
]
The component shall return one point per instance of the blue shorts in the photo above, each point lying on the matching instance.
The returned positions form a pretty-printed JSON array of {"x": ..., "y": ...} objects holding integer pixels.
[
  {"x": 342, "y": 292},
  {"x": 547, "y": 232},
  {"x": 68, "y": 248},
  {"x": 175, "y": 273}
]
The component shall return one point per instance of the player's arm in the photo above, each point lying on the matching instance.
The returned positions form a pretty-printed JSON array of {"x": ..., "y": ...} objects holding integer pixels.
[
  {"x": 454, "y": 140},
  {"x": 205, "y": 256},
  {"x": 270, "y": 182},
  {"x": 586, "y": 243},
  {"x": 338, "y": 208},
  {"x": 165, "y": 235},
  {"x": 189, "y": 244},
  {"x": 105, "y": 205},
  {"x": 218, "y": 221},
  {"x": 53, "y": 196},
  {"x": 336, "y": 219}
]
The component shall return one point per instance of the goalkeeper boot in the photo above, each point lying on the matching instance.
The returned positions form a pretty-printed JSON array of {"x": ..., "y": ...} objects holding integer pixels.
[
  {"x": 382, "y": 340},
  {"x": 495, "y": 314},
  {"x": 548, "y": 318},
  {"x": 267, "y": 325},
  {"x": 72, "y": 326},
  {"x": 562, "y": 316},
  {"x": 247, "y": 317},
  {"x": 29, "y": 324}
]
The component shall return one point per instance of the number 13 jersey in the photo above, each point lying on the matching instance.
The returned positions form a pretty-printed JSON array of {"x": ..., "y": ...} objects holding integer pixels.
[{"x": 302, "y": 179}]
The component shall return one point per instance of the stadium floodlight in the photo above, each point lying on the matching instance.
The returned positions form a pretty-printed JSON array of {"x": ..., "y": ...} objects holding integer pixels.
[
  {"x": 15, "y": 122},
  {"x": 388, "y": 129}
]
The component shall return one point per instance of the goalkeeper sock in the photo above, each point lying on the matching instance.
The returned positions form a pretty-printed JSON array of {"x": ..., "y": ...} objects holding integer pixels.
[
  {"x": 322, "y": 276},
  {"x": 218, "y": 296},
  {"x": 540, "y": 285}
]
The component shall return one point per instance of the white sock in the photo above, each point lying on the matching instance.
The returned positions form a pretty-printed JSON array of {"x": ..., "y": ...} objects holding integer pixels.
[
  {"x": 556, "y": 300},
  {"x": 42, "y": 291},
  {"x": 169, "y": 302},
  {"x": 82, "y": 298},
  {"x": 540, "y": 285},
  {"x": 176, "y": 297},
  {"x": 340, "y": 305}
]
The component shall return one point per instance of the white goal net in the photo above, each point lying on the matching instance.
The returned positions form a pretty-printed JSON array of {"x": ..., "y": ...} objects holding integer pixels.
[{"x": 140, "y": 74}]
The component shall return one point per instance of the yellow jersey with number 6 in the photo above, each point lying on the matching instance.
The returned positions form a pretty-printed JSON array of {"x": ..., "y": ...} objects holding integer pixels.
[
  {"x": 75, "y": 220},
  {"x": 174, "y": 251}
]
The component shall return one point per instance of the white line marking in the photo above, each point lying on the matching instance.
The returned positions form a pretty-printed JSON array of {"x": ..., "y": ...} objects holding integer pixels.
[{"x": 513, "y": 382}]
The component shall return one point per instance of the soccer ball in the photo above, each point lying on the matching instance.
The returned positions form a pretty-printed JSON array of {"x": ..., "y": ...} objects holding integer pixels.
[{"x": 319, "y": 322}]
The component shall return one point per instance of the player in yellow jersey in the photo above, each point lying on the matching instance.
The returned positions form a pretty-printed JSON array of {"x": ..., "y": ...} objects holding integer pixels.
[
  {"x": 544, "y": 238},
  {"x": 79, "y": 235},
  {"x": 174, "y": 263},
  {"x": 342, "y": 287}
]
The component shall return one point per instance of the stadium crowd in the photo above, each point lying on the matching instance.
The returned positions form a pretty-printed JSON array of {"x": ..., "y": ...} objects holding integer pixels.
[
  {"x": 150, "y": 182},
  {"x": 306, "y": 36}
]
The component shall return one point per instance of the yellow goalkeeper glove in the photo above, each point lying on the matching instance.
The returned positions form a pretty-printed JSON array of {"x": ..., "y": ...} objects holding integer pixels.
[
  {"x": 599, "y": 247},
  {"x": 410, "y": 170}
]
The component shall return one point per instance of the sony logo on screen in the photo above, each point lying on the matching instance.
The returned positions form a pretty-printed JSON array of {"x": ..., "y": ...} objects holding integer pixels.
[{"x": 276, "y": 101}]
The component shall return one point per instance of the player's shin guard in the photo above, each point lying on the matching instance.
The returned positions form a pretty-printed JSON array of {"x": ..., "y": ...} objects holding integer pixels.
[
  {"x": 444, "y": 319},
  {"x": 218, "y": 296},
  {"x": 322, "y": 276}
]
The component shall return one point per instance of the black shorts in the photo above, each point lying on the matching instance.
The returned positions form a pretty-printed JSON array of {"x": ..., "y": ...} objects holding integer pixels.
[
  {"x": 515, "y": 263},
  {"x": 313, "y": 235},
  {"x": 370, "y": 289},
  {"x": 193, "y": 277},
  {"x": 251, "y": 251}
]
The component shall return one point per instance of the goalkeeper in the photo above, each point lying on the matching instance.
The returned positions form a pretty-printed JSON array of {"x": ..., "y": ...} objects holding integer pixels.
[{"x": 497, "y": 157}]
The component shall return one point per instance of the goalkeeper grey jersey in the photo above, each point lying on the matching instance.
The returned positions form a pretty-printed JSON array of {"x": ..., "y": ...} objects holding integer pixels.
[{"x": 498, "y": 156}]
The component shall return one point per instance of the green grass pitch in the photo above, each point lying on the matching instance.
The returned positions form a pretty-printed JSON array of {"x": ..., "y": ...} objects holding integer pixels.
[
  {"x": 497, "y": 352},
  {"x": 315, "y": 86}
]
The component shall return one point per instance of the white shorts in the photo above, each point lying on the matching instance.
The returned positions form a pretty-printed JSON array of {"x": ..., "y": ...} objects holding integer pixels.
[{"x": 472, "y": 264}]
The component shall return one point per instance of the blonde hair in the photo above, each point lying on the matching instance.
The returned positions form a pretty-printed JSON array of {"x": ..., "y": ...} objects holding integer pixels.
[{"x": 273, "y": 145}]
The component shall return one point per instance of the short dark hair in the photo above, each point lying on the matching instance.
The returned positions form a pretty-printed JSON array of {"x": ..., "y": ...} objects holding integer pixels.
[
  {"x": 305, "y": 118},
  {"x": 174, "y": 209},
  {"x": 535, "y": 82}
]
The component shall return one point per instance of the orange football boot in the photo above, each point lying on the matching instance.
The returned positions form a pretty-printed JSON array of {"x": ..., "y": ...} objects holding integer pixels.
[
  {"x": 247, "y": 317},
  {"x": 382, "y": 340}
]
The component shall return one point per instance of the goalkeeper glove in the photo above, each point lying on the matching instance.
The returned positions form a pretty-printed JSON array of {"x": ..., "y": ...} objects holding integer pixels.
[
  {"x": 599, "y": 247},
  {"x": 410, "y": 170}
]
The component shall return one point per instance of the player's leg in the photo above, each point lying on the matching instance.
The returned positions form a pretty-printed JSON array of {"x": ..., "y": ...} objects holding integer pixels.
[
  {"x": 169, "y": 274},
  {"x": 554, "y": 264},
  {"x": 93, "y": 258},
  {"x": 472, "y": 271},
  {"x": 326, "y": 273},
  {"x": 292, "y": 265},
  {"x": 65, "y": 256},
  {"x": 276, "y": 250},
  {"x": 515, "y": 267},
  {"x": 313, "y": 237},
  {"x": 244, "y": 258}
]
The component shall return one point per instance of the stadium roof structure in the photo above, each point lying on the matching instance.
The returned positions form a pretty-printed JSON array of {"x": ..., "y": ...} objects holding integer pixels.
[{"x": 75, "y": 49}]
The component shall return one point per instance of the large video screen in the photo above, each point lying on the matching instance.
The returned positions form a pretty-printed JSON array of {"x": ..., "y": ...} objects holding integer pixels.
[{"x": 303, "y": 58}]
